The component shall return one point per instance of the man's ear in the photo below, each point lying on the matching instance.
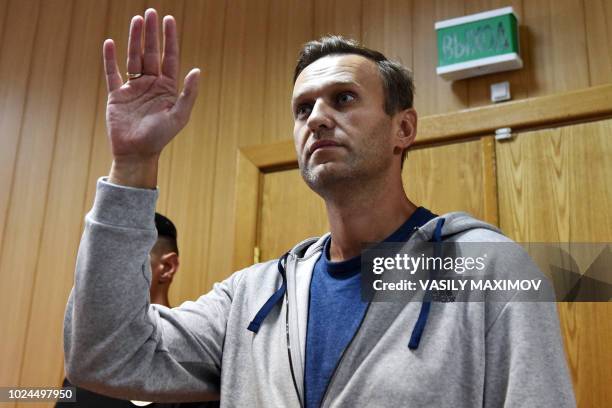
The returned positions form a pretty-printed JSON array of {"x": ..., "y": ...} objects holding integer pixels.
[
  {"x": 406, "y": 128},
  {"x": 170, "y": 264}
]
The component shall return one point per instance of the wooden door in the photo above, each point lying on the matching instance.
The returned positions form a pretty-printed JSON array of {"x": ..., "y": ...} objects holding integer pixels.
[{"x": 555, "y": 185}]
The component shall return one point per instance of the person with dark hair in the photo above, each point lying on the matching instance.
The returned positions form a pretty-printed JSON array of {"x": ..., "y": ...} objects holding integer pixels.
[
  {"x": 295, "y": 332},
  {"x": 164, "y": 263},
  {"x": 164, "y": 260}
]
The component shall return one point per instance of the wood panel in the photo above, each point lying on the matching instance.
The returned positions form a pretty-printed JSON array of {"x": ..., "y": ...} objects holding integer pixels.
[
  {"x": 16, "y": 52},
  {"x": 591, "y": 179},
  {"x": 587, "y": 331},
  {"x": 3, "y": 12},
  {"x": 248, "y": 182},
  {"x": 448, "y": 177},
  {"x": 598, "y": 14},
  {"x": 31, "y": 177},
  {"x": 54, "y": 268},
  {"x": 387, "y": 27},
  {"x": 290, "y": 212},
  {"x": 557, "y": 46},
  {"x": 526, "y": 113},
  {"x": 532, "y": 168},
  {"x": 240, "y": 121},
  {"x": 554, "y": 186},
  {"x": 193, "y": 163},
  {"x": 488, "y": 161},
  {"x": 338, "y": 17}
]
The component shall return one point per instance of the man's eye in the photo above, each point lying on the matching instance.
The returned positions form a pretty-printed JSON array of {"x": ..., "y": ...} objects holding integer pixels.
[
  {"x": 345, "y": 97},
  {"x": 303, "y": 111}
]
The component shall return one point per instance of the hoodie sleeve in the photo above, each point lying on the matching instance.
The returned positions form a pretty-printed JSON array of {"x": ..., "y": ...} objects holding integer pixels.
[
  {"x": 525, "y": 361},
  {"x": 115, "y": 342}
]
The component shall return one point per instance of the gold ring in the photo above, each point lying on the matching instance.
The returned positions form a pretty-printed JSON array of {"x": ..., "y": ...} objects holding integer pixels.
[{"x": 133, "y": 76}]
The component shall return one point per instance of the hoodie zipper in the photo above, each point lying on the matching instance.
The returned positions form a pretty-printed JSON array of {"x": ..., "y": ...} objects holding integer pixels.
[
  {"x": 297, "y": 392},
  {"x": 331, "y": 380}
]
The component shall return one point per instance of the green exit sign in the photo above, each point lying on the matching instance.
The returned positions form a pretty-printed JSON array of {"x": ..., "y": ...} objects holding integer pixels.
[{"x": 478, "y": 44}]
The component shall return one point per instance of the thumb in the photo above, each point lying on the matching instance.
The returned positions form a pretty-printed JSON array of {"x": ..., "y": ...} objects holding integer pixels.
[{"x": 184, "y": 104}]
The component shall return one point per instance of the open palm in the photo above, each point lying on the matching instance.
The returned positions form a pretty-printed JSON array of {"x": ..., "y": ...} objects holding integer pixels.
[{"x": 146, "y": 112}]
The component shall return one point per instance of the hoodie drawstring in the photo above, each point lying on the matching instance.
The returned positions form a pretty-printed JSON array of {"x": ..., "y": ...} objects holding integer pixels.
[
  {"x": 419, "y": 326},
  {"x": 273, "y": 300}
]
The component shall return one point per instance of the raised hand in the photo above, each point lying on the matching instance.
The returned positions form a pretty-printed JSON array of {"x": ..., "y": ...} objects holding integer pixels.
[{"x": 146, "y": 112}]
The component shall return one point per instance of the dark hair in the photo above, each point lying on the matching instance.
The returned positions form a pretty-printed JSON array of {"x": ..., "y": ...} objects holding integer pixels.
[
  {"x": 167, "y": 230},
  {"x": 396, "y": 79}
]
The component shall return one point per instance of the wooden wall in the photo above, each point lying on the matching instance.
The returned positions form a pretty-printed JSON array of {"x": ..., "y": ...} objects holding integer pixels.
[{"x": 52, "y": 132}]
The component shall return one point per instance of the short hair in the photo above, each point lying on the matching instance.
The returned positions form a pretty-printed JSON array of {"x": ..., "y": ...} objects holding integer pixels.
[
  {"x": 167, "y": 231},
  {"x": 396, "y": 79},
  {"x": 397, "y": 82}
]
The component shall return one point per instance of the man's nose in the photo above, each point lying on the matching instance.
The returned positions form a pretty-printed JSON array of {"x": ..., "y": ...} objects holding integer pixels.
[{"x": 320, "y": 117}]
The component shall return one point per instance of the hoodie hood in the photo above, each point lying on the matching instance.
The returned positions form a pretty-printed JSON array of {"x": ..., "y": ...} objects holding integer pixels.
[
  {"x": 437, "y": 229},
  {"x": 454, "y": 223}
]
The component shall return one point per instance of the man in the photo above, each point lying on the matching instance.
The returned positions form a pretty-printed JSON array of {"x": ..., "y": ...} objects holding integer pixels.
[
  {"x": 294, "y": 331},
  {"x": 164, "y": 262}
]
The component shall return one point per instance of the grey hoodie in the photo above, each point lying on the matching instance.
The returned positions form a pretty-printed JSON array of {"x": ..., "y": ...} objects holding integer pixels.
[{"x": 470, "y": 354}]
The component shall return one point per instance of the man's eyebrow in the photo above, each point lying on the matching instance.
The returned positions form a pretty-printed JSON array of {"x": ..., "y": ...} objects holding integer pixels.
[{"x": 331, "y": 84}]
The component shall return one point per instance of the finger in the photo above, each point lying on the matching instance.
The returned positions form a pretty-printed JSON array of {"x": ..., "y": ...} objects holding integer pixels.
[
  {"x": 150, "y": 60},
  {"x": 170, "y": 58},
  {"x": 134, "y": 61},
  {"x": 184, "y": 104},
  {"x": 113, "y": 77}
]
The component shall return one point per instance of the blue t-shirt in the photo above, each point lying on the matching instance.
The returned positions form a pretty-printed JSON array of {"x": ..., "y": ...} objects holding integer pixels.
[{"x": 336, "y": 310}]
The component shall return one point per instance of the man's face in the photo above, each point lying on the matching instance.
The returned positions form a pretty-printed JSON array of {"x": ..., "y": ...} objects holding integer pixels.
[{"x": 341, "y": 130}]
